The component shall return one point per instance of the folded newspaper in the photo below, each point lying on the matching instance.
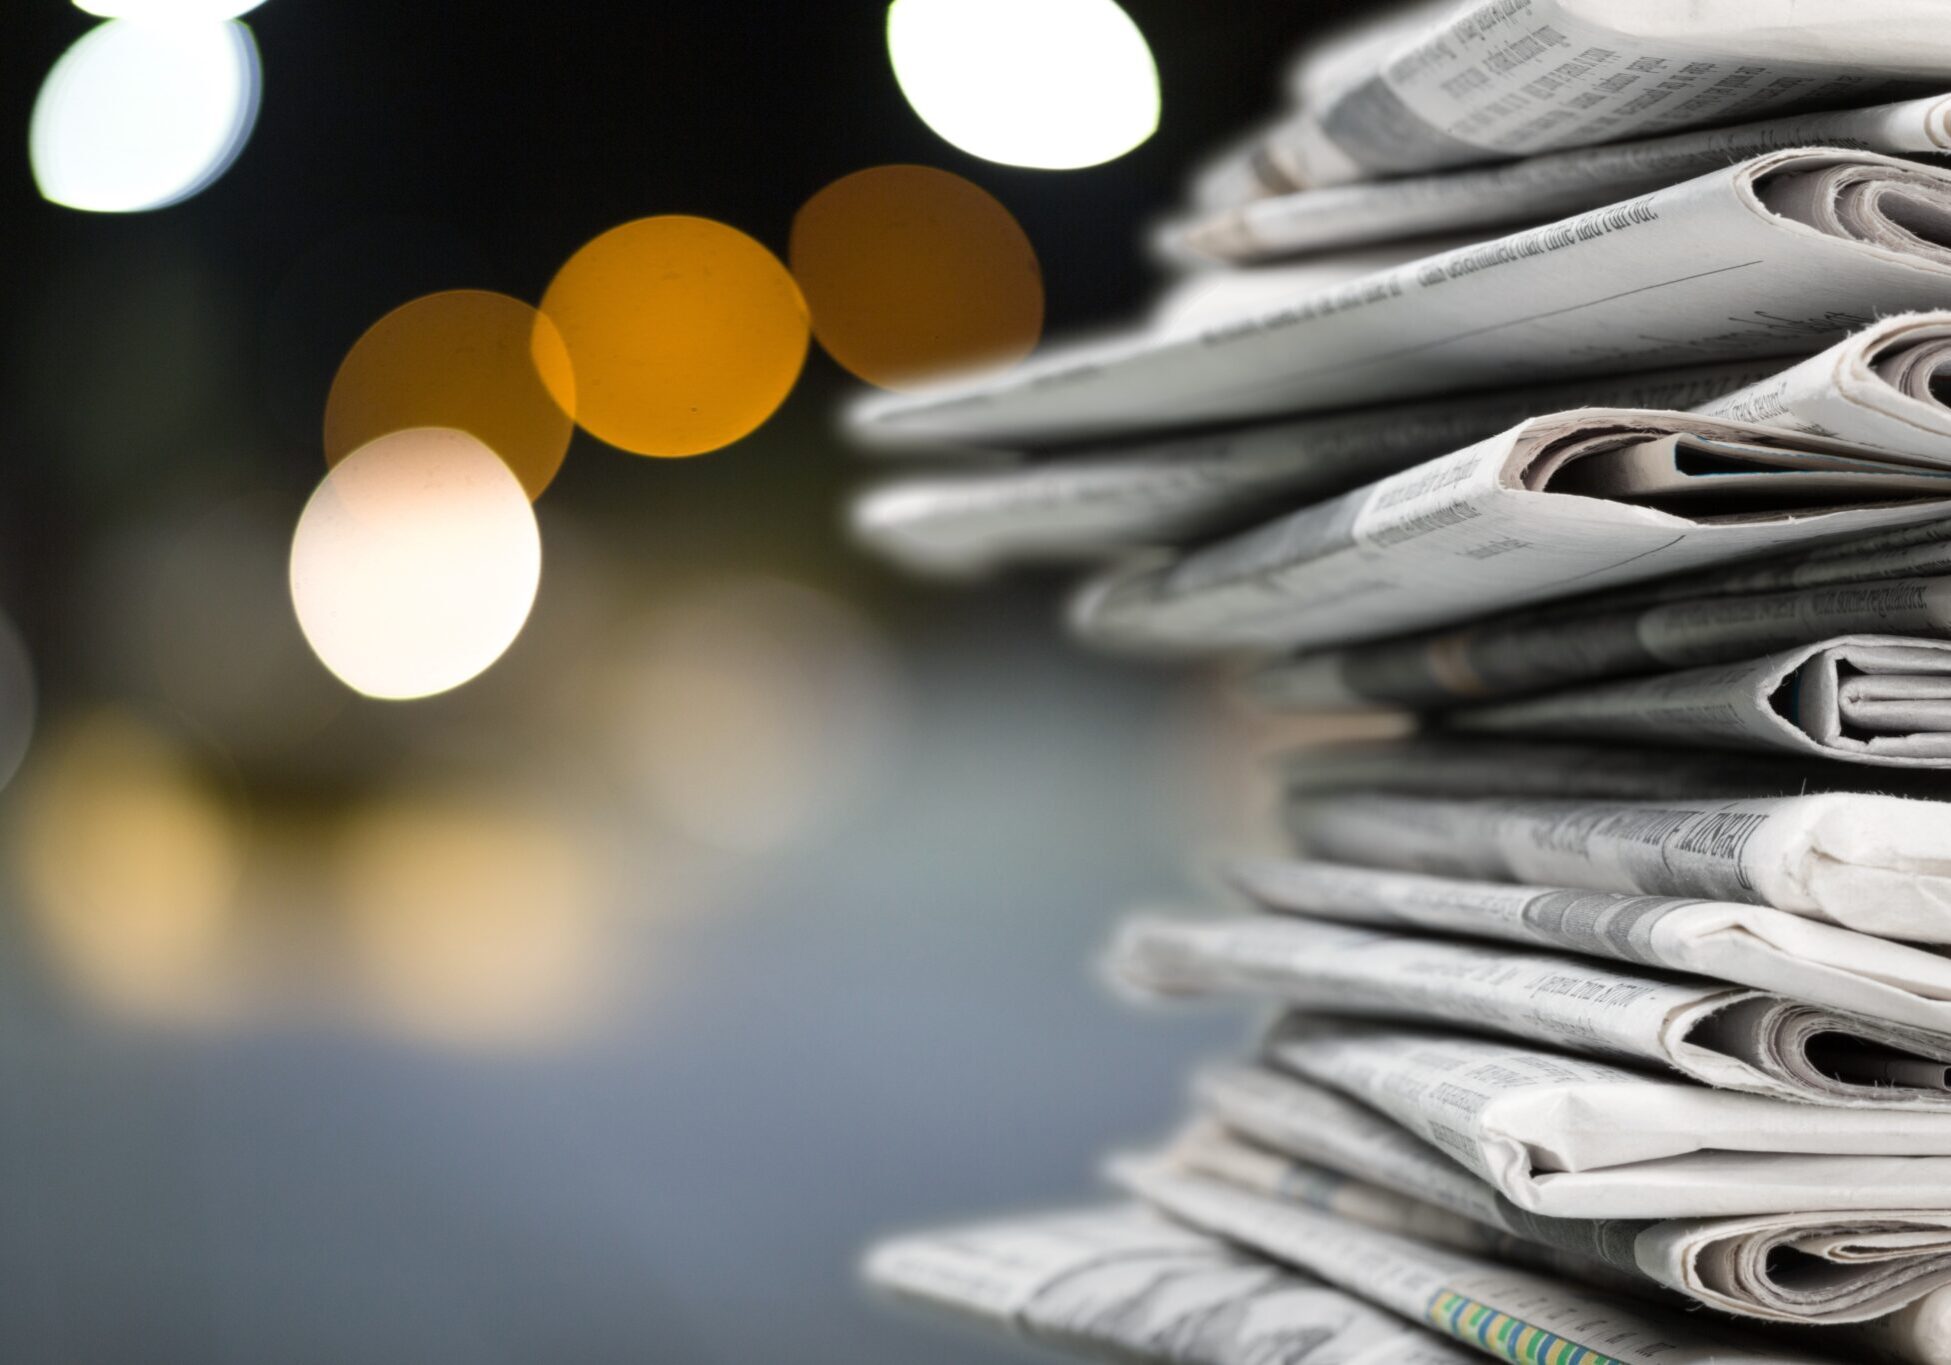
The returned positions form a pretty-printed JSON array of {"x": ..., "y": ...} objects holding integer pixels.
[
  {"x": 1794, "y": 1267},
  {"x": 1779, "y": 255},
  {"x": 1482, "y": 80},
  {"x": 1877, "y": 864},
  {"x": 1557, "y": 505},
  {"x": 1261, "y": 219},
  {"x": 1439, "y": 764},
  {"x": 1097, "y": 501},
  {"x": 1125, "y": 1283},
  {"x": 1573, "y": 1137},
  {"x": 1720, "y": 1035},
  {"x": 1875, "y": 390},
  {"x": 1864, "y": 698},
  {"x": 1514, "y": 1314},
  {"x": 1749, "y": 945}
]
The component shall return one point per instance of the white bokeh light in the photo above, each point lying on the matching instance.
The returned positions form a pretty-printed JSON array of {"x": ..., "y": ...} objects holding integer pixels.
[
  {"x": 1054, "y": 84},
  {"x": 140, "y": 115},
  {"x": 415, "y": 563},
  {"x": 167, "y": 10}
]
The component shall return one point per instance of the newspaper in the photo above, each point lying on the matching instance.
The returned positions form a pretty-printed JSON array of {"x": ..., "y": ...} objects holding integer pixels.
[
  {"x": 1466, "y": 765},
  {"x": 1493, "y": 79},
  {"x": 1259, "y": 215},
  {"x": 1124, "y": 1283},
  {"x": 1874, "y": 863},
  {"x": 1796, "y": 1267},
  {"x": 1557, "y": 646},
  {"x": 1779, "y": 255},
  {"x": 1877, "y": 699},
  {"x": 1720, "y": 1035},
  {"x": 1573, "y": 502},
  {"x": 1574, "y": 1137},
  {"x": 1750, "y": 945},
  {"x": 1874, "y": 390},
  {"x": 1509, "y": 1313},
  {"x": 1208, "y": 1147},
  {"x": 1093, "y": 502}
]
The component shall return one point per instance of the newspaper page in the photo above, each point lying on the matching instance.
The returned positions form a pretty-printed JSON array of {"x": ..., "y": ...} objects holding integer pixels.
[
  {"x": 1558, "y": 646},
  {"x": 1435, "y": 764},
  {"x": 1749, "y": 945},
  {"x": 1308, "y": 1144},
  {"x": 1577, "y": 1137},
  {"x": 1262, "y": 214},
  {"x": 1509, "y": 1313},
  {"x": 1780, "y": 255},
  {"x": 1876, "y": 699},
  {"x": 1573, "y": 1137},
  {"x": 1720, "y": 1035},
  {"x": 1094, "y": 502},
  {"x": 1123, "y": 1283},
  {"x": 1873, "y": 863},
  {"x": 1557, "y": 505},
  {"x": 1875, "y": 390},
  {"x": 1494, "y": 79},
  {"x": 1880, "y": 389},
  {"x": 1206, "y": 1147}
]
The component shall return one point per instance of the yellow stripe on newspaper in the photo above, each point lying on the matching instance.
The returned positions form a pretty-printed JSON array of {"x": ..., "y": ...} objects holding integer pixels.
[{"x": 1510, "y": 1338}]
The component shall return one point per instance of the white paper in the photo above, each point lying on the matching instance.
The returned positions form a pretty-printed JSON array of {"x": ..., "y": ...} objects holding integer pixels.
[
  {"x": 1572, "y": 1137},
  {"x": 1482, "y": 529},
  {"x": 1501, "y": 78},
  {"x": 1749, "y": 945},
  {"x": 1513, "y": 1314},
  {"x": 1260, "y": 212},
  {"x": 1710, "y": 269},
  {"x": 1874, "y": 699},
  {"x": 1877, "y": 864},
  {"x": 1709, "y": 1031},
  {"x": 1125, "y": 1283}
]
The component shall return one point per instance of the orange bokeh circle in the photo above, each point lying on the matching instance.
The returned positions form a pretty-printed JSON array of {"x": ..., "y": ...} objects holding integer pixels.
[
  {"x": 912, "y": 272},
  {"x": 684, "y": 334},
  {"x": 469, "y": 359}
]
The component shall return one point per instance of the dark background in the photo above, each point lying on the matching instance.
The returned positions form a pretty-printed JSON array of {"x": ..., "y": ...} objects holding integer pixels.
[{"x": 889, "y": 1025}]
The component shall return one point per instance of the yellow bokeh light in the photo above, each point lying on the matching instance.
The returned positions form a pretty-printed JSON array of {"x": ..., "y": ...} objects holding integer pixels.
[
  {"x": 684, "y": 334},
  {"x": 130, "y": 861},
  {"x": 140, "y": 115},
  {"x": 1053, "y": 84},
  {"x": 753, "y": 715},
  {"x": 469, "y": 359},
  {"x": 471, "y": 920},
  {"x": 415, "y": 563},
  {"x": 912, "y": 271}
]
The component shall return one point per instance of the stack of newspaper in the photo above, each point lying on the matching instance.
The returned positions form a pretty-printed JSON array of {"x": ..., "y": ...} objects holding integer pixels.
[{"x": 1610, "y": 1014}]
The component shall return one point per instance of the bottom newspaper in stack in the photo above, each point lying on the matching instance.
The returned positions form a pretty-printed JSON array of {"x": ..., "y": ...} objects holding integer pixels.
[{"x": 1635, "y": 1058}]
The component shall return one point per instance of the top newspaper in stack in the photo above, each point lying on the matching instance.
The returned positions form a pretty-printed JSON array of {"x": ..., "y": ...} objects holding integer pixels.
[{"x": 1456, "y": 82}]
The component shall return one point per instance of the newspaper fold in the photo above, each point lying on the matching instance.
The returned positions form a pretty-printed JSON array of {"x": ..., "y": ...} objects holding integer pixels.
[
  {"x": 1875, "y": 699},
  {"x": 1124, "y": 1283},
  {"x": 1872, "y": 391},
  {"x": 1779, "y": 255},
  {"x": 1877, "y": 864},
  {"x": 1092, "y": 502},
  {"x": 1452, "y": 84},
  {"x": 1436, "y": 764},
  {"x": 1258, "y": 218},
  {"x": 1719, "y": 1035},
  {"x": 1573, "y": 502},
  {"x": 1793, "y": 1267},
  {"x": 1749, "y": 945},
  {"x": 1572, "y": 1137},
  {"x": 1511, "y": 1314}
]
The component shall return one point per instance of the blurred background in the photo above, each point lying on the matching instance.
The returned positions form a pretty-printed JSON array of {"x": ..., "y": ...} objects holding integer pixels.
[{"x": 605, "y": 1006}]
